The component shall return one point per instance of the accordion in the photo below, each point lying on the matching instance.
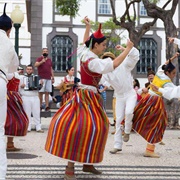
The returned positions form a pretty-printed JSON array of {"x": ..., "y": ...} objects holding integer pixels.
[{"x": 32, "y": 83}]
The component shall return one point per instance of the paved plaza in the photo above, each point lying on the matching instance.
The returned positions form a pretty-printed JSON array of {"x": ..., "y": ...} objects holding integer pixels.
[{"x": 34, "y": 163}]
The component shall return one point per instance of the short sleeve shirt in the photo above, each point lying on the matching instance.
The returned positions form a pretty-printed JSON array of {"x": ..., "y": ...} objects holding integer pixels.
[{"x": 44, "y": 70}]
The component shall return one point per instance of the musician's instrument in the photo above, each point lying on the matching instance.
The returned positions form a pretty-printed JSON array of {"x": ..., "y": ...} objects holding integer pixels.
[
  {"x": 64, "y": 86},
  {"x": 32, "y": 82}
]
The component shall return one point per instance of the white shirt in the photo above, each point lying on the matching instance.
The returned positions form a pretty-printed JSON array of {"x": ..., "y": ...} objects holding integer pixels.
[
  {"x": 169, "y": 90},
  {"x": 24, "y": 92},
  {"x": 97, "y": 65},
  {"x": 121, "y": 79},
  {"x": 9, "y": 61},
  {"x": 177, "y": 41},
  {"x": 69, "y": 78}
]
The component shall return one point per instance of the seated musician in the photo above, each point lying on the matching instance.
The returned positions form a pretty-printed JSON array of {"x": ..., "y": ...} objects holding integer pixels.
[{"x": 68, "y": 84}]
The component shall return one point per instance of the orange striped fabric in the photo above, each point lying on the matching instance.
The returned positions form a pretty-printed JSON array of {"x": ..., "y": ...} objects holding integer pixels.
[
  {"x": 79, "y": 130},
  {"x": 150, "y": 118}
]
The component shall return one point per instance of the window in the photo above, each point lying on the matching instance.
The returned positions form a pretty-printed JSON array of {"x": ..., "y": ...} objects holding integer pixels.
[
  {"x": 148, "y": 55},
  {"x": 104, "y": 7},
  {"x": 56, "y": 9},
  {"x": 142, "y": 10},
  {"x": 61, "y": 48}
]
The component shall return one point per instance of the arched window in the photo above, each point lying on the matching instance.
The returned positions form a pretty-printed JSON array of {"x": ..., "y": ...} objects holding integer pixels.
[
  {"x": 61, "y": 48},
  {"x": 148, "y": 55}
]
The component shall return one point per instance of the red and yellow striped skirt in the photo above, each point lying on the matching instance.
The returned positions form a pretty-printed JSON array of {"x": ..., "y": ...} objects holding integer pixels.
[
  {"x": 16, "y": 120},
  {"x": 79, "y": 130},
  {"x": 150, "y": 118}
]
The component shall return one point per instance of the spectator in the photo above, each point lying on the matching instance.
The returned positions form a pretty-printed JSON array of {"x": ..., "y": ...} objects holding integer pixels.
[
  {"x": 46, "y": 74},
  {"x": 137, "y": 87},
  {"x": 102, "y": 90},
  {"x": 31, "y": 101}
]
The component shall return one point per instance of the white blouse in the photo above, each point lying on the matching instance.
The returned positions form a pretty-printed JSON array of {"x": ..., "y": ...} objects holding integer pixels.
[
  {"x": 9, "y": 61},
  {"x": 121, "y": 79},
  {"x": 97, "y": 65}
]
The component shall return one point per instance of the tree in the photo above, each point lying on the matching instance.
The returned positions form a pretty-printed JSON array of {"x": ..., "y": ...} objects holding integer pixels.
[
  {"x": 135, "y": 34},
  {"x": 68, "y": 7},
  {"x": 128, "y": 22},
  {"x": 112, "y": 32}
]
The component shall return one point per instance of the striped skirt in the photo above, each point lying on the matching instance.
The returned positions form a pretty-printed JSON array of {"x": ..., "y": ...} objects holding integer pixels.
[
  {"x": 79, "y": 130},
  {"x": 150, "y": 118},
  {"x": 16, "y": 120}
]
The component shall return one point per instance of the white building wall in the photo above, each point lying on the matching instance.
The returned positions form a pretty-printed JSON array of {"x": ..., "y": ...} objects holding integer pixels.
[
  {"x": 47, "y": 11},
  {"x": 24, "y": 35},
  {"x": 87, "y": 8}
]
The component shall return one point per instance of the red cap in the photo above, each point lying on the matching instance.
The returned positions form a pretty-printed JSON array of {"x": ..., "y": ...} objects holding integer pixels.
[{"x": 98, "y": 33}]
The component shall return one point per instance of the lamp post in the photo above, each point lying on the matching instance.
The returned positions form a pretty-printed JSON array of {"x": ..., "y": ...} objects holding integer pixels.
[{"x": 17, "y": 17}]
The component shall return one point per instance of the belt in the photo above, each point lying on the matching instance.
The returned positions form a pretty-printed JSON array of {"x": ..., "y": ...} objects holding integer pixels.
[{"x": 2, "y": 72}]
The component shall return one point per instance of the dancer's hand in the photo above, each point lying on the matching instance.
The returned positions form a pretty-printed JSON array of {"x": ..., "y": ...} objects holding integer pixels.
[
  {"x": 145, "y": 90},
  {"x": 154, "y": 88},
  {"x": 86, "y": 21},
  {"x": 177, "y": 54},
  {"x": 170, "y": 39},
  {"x": 120, "y": 48},
  {"x": 129, "y": 44}
]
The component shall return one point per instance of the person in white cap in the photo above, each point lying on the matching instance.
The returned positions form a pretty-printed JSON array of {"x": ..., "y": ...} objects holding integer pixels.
[{"x": 8, "y": 64}]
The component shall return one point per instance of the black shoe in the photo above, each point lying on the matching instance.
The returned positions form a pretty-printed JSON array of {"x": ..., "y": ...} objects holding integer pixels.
[
  {"x": 113, "y": 124},
  {"x": 47, "y": 109}
]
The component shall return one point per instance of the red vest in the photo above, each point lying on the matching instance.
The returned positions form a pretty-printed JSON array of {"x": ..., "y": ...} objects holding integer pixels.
[
  {"x": 88, "y": 77},
  {"x": 13, "y": 84}
]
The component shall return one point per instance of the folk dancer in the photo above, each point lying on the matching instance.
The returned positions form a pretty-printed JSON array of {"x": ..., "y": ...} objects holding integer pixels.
[{"x": 79, "y": 130}]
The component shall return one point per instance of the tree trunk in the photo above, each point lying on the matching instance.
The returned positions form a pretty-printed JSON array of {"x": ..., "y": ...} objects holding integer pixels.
[{"x": 171, "y": 49}]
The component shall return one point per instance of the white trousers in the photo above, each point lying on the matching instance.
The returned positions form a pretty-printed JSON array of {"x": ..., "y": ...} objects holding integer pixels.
[
  {"x": 125, "y": 105},
  {"x": 31, "y": 105},
  {"x": 3, "y": 113}
]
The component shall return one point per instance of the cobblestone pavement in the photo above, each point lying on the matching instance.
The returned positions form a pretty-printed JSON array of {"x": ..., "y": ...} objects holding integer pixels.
[{"x": 34, "y": 163}]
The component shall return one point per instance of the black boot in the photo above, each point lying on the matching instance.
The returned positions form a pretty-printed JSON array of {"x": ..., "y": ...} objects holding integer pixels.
[{"x": 113, "y": 124}]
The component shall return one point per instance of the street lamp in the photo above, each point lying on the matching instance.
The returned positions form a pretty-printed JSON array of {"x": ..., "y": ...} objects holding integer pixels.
[{"x": 17, "y": 17}]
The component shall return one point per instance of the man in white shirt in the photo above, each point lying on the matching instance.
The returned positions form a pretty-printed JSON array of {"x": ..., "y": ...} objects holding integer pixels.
[
  {"x": 122, "y": 82},
  {"x": 8, "y": 64},
  {"x": 31, "y": 102}
]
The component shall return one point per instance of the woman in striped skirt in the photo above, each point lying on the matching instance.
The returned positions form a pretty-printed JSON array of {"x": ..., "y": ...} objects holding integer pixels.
[
  {"x": 150, "y": 118},
  {"x": 78, "y": 131},
  {"x": 16, "y": 119}
]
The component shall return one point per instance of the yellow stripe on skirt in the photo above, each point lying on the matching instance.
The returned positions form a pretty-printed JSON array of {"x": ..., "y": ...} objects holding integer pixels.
[
  {"x": 150, "y": 118},
  {"x": 79, "y": 129}
]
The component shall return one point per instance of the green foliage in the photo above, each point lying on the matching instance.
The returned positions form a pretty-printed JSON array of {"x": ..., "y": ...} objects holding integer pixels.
[
  {"x": 111, "y": 31},
  {"x": 68, "y": 7},
  {"x": 154, "y": 1}
]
